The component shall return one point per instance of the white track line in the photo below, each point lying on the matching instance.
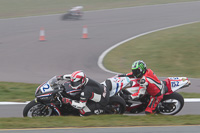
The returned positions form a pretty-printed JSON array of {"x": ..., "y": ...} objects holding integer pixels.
[
  {"x": 13, "y": 103},
  {"x": 191, "y": 100},
  {"x": 186, "y": 100}
]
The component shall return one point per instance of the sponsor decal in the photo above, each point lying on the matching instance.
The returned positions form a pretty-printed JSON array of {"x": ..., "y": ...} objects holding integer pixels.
[
  {"x": 82, "y": 94},
  {"x": 184, "y": 79},
  {"x": 174, "y": 78}
]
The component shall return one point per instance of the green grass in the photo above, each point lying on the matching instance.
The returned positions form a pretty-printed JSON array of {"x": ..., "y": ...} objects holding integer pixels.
[
  {"x": 17, "y": 92},
  {"x": 190, "y": 95},
  {"x": 19, "y": 8},
  {"x": 21, "y": 92},
  {"x": 98, "y": 121},
  {"x": 171, "y": 52}
]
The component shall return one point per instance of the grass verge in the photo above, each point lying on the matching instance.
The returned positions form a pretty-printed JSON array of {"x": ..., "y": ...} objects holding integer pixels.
[
  {"x": 98, "y": 121},
  {"x": 171, "y": 52},
  {"x": 17, "y": 92}
]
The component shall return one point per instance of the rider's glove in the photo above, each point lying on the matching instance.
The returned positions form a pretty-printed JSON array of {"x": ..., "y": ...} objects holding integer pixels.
[
  {"x": 66, "y": 100},
  {"x": 59, "y": 77}
]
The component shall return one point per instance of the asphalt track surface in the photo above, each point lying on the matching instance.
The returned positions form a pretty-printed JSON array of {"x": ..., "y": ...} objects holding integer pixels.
[
  {"x": 25, "y": 59},
  {"x": 165, "y": 129}
]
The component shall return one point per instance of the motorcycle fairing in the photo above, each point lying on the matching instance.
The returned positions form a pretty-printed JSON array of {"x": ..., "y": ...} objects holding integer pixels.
[
  {"x": 118, "y": 83},
  {"x": 47, "y": 86},
  {"x": 178, "y": 82}
]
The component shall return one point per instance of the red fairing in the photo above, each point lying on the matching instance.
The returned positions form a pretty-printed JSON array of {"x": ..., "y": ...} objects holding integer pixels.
[
  {"x": 136, "y": 82},
  {"x": 168, "y": 84}
]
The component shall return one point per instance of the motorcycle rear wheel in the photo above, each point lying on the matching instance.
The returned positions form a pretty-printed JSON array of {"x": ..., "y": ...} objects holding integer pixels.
[
  {"x": 116, "y": 105},
  {"x": 171, "y": 104},
  {"x": 34, "y": 109}
]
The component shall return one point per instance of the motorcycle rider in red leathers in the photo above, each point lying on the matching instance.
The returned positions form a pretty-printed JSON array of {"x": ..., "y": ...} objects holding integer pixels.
[{"x": 149, "y": 83}]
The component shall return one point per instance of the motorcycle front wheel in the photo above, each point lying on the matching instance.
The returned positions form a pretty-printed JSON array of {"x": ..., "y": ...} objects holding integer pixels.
[
  {"x": 116, "y": 105},
  {"x": 171, "y": 104},
  {"x": 34, "y": 109}
]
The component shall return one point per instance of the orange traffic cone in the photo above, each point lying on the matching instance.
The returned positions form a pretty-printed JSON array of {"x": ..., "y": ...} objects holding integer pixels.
[
  {"x": 42, "y": 34},
  {"x": 85, "y": 32}
]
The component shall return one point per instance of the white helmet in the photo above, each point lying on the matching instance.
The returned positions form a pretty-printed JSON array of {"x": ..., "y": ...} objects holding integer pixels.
[{"x": 77, "y": 79}]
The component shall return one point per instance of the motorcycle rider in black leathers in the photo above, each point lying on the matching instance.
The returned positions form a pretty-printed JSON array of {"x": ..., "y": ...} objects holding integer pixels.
[{"x": 93, "y": 97}]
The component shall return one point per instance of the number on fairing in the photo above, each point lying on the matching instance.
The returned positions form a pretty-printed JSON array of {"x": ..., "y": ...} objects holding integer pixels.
[
  {"x": 175, "y": 83},
  {"x": 45, "y": 87}
]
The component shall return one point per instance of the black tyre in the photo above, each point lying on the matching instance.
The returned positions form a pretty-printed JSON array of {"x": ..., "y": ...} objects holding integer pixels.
[
  {"x": 68, "y": 16},
  {"x": 65, "y": 16},
  {"x": 34, "y": 109},
  {"x": 116, "y": 105},
  {"x": 171, "y": 104}
]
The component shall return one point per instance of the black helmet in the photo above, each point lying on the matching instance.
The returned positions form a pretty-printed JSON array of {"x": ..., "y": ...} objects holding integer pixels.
[{"x": 138, "y": 68}]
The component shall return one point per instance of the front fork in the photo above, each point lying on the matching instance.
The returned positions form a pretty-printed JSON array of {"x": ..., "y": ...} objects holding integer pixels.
[
  {"x": 53, "y": 106},
  {"x": 50, "y": 105}
]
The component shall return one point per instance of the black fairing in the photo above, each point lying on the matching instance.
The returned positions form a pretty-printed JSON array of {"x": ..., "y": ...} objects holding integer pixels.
[
  {"x": 71, "y": 93},
  {"x": 66, "y": 91}
]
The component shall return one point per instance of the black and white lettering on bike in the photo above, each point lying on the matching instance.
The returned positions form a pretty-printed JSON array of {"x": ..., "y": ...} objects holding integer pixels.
[{"x": 98, "y": 111}]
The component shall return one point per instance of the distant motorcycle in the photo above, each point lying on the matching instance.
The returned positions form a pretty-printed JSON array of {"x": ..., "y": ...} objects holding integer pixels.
[
  {"x": 74, "y": 14},
  {"x": 48, "y": 100},
  {"x": 171, "y": 103}
]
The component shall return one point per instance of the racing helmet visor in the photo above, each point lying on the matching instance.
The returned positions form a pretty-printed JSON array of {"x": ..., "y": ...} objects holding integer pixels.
[
  {"x": 136, "y": 73},
  {"x": 76, "y": 84}
]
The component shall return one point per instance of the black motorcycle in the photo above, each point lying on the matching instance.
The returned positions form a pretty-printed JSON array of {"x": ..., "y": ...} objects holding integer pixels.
[{"x": 48, "y": 100}]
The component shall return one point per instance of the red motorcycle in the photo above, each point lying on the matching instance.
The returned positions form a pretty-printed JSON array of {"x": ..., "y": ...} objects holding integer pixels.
[{"x": 171, "y": 103}]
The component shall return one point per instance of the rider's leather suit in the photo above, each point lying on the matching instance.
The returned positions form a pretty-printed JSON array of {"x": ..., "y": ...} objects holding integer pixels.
[
  {"x": 149, "y": 83},
  {"x": 93, "y": 98}
]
